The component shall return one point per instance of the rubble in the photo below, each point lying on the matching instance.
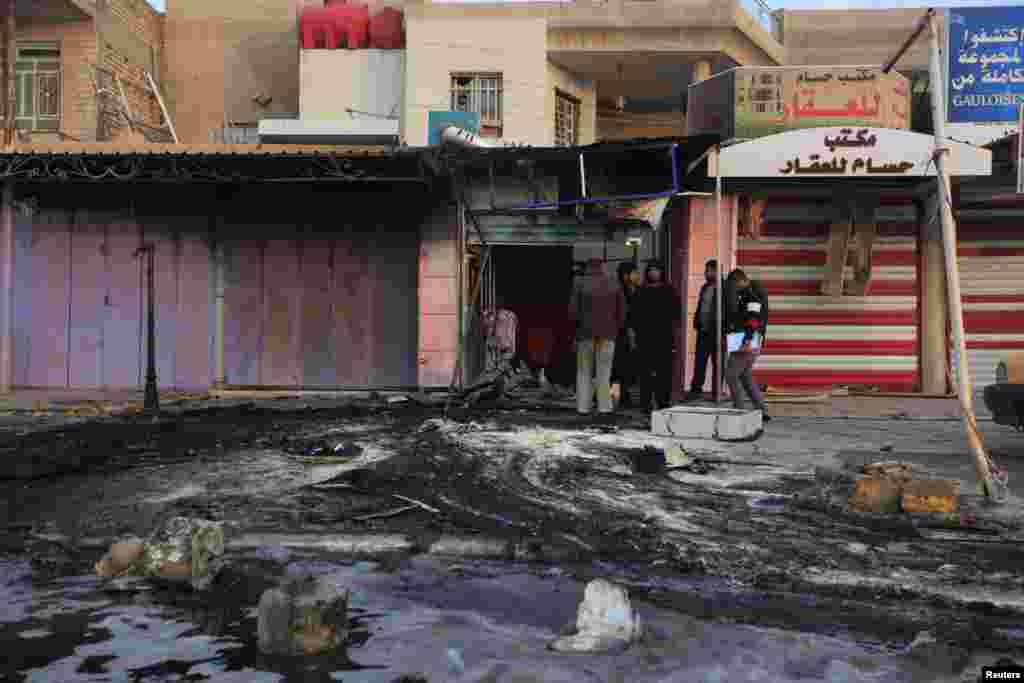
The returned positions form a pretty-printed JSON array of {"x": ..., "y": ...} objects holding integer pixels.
[
  {"x": 305, "y": 616},
  {"x": 606, "y": 622},
  {"x": 184, "y": 550}
]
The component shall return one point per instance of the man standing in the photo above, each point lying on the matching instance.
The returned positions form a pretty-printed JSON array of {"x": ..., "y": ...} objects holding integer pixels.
[
  {"x": 705, "y": 323},
  {"x": 750, "y": 319},
  {"x": 657, "y": 318},
  {"x": 599, "y": 311}
]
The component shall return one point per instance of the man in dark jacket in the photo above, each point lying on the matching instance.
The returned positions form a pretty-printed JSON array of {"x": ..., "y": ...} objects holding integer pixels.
[
  {"x": 658, "y": 316},
  {"x": 705, "y": 324},
  {"x": 749, "y": 317}
]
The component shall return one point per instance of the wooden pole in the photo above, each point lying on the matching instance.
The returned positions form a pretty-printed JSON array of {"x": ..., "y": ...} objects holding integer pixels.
[
  {"x": 10, "y": 55},
  {"x": 163, "y": 107},
  {"x": 981, "y": 459}
]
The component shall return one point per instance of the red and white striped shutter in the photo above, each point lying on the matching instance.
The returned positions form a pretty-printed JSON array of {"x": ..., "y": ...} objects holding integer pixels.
[
  {"x": 991, "y": 256},
  {"x": 815, "y": 342}
]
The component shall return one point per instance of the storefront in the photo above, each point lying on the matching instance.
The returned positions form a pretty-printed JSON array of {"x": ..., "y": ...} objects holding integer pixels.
[
  {"x": 846, "y": 247},
  {"x": 305, "y": 257}
]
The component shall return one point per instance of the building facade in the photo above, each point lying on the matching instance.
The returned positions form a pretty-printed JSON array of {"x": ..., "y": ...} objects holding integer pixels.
[{"x": 79, "y": 64}]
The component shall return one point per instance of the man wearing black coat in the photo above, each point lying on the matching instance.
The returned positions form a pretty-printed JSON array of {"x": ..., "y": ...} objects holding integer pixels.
[
  {"x": 705, "y": 324},
  {"x": 657, "y": 317}
]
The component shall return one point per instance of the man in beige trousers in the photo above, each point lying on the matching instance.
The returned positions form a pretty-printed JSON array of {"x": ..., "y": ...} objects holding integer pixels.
[{"x": 598, "y": 309}]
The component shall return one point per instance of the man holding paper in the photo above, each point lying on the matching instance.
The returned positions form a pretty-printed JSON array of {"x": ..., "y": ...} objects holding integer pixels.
[{"x": 747, "y": 325}]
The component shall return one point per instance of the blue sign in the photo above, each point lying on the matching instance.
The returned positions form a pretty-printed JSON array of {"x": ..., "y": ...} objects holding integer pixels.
[{"x": 985, "y": 68}]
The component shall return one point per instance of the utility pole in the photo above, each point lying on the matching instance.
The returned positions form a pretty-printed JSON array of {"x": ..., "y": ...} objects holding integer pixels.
[
  {"x": 982, "y": 461},
  {"x": 152, "y": 397}
]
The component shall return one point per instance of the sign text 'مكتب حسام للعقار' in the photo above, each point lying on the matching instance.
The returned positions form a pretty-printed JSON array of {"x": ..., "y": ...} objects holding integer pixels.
[
  {"x": 985, "y": 64},
  {"x": 842, "y": 165}
]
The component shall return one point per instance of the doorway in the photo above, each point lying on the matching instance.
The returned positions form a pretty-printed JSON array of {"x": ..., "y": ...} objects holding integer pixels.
[{"x": 535, "y": 283}]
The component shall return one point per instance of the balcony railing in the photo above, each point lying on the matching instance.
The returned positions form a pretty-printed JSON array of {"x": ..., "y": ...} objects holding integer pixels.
[{"x": 760, "y": 11}]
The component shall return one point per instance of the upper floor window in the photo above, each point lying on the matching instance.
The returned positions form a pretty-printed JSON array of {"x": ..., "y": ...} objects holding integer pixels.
[
  {"x": 482, "y": 94},
  {"x": 567, "y": 120},
  {"x": 37, "y": 81}
]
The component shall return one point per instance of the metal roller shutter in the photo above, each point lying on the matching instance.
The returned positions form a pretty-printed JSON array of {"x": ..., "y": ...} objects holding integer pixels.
[
  {"x": 819, "y": 342},
  {"x": 992, "y": 289}
]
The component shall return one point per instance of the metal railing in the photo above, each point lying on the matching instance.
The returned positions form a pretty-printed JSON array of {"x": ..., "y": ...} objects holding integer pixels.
[{"x": 760, "y": 11}]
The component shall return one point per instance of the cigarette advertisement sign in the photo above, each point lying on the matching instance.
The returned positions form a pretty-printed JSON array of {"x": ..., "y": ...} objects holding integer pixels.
[
  {"x": 985, "y": 68},
  {"x": 766, "y": 100},
  {"x": 864, "y": 153}
]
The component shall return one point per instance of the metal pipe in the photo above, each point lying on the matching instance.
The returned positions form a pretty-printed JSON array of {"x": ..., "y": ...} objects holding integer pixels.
[
  {"x": 922, "y": 24},
  {"x": 7, "y": 286},
  {"x": 956, "y": 318},
  {"x": 717, "y": 380},
  {"x": 152, "y": 397},
  {"x": 219, "y": 376}
]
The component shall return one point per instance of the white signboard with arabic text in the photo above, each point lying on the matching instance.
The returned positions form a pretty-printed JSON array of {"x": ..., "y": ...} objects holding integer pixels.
[{"x": 848, "y": 152}]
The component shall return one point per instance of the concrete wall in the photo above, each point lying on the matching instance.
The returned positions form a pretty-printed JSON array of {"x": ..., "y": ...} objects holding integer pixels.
[
  {"x": 365, "y": 80},
  {"x": 221, "y": 55},
  {"x": 583, "y": 90},
  {"x": 437, "y": 46},
  {"x": 438, "y": 297},
  {"x": 620, "y": 125},
  {"x": 78, "y": 50},
  {"x": 854, "y": 37}
]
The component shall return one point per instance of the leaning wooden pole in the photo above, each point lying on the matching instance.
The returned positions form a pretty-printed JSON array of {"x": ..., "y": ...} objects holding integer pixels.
[
  {"x": 10, "y": 54},
  {"x": 982, "y": 461}
]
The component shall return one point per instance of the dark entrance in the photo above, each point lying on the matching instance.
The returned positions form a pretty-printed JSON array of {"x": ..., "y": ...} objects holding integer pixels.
[{"x": 535, "y": 283}]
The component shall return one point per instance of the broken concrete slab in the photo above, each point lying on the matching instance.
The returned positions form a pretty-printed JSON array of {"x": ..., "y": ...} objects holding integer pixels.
[
  {"x": 706, "y": 423},
  {"x": 606, "y": 622},
  {"x": 303, "y": 617},
  {"x": 931, "y": 495}
]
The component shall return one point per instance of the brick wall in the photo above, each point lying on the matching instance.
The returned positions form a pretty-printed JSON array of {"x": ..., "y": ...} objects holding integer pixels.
[
  {"x": 78, "y": 49},
  {"x": 131, "y": 35},
  {"x": 438, "y": 297},
  {"x": 516, "y": 47}
]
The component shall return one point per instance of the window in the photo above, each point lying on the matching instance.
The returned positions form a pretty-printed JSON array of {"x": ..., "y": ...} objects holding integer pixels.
[
  {"x": 37, "y": 79},
  {"x": 480, "y": 93},
  {"x": 567, "y": 120}
]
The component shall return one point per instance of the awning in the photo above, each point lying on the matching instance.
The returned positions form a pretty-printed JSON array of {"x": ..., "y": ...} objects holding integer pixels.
[{"x": 113, "y": 162}]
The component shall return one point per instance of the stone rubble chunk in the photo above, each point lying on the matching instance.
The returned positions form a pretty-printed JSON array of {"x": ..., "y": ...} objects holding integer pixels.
[
  {"x": 184, "y": 550},
  {"x": 306, "y": 616},
  {"x": 931, "y": 495},
  {"x": 605, "y": 623}
]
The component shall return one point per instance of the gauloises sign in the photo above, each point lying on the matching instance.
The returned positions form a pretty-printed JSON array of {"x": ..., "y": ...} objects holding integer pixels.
[
  {"x": 848, "y": 152},
  {"x": 763, "y": 101}
]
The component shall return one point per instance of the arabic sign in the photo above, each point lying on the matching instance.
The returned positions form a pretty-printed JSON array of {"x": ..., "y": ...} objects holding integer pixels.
[
  {"x": 847, "y": 152},
  {"x": 986, "y": 64},
  {"x": 767, "y": 100}
]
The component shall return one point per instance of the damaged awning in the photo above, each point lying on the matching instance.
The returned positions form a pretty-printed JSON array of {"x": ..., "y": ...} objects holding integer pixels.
[{"x": 632, "y": 181}]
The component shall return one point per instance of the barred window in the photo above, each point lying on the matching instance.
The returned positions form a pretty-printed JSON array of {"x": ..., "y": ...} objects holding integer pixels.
[
  {"x": 479, "y": 93},
  {"x": 37, "y": 85},
  {"x": 567, "y": 120}
]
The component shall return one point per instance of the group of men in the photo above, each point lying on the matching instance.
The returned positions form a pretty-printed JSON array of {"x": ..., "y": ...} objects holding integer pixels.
[{"x": 627, "y": 335}]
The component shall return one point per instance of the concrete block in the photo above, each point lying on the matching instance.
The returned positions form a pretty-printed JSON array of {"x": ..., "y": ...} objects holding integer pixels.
[
  {"x": 876, "y": 494},
  {"x": 706, "y": 423},
  {"x": 931, "y": 495}
]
